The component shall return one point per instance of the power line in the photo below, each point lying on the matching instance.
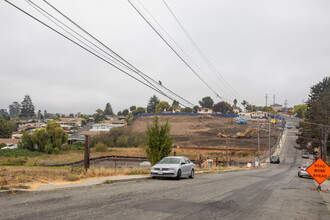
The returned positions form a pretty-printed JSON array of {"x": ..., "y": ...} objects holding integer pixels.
[
  {"x": 88, "y": 50},
  {"x": 180, "y": 48},
  {"x": 120, "y": 59},
  {"x": 172, "y": 48},
  {"x": 211, "y": 66}
]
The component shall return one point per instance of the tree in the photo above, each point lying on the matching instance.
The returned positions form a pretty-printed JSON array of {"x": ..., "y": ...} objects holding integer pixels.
[
  {"x": 99, "y": 116},
  {"x": 314, "y": 129},
  {"x": 26, "y": 142},
  {"x": 235, "y": 102},
  {"x": 196, "y": 108},
  {"x": 108, "y": 109},
  {"x": 119, "y": 113},
  {"x": 5, "y": 128},
  {"x": 125, "y": 112},
  {"x": 48, "y": 140},
  {"x": 71, "y": 115},
  {"x": 132, "y": 108},
  {"x": 300, "y": 110},
  {"x": 39, "y": 115},
  {"x": 244, "y": 103},
  {"x": 251, "y": 108},
  {"x": 159, "y": 141},
  {"x": 153, "y": 101},
  {"x": 14, "y": 109},
  {"x": 187, "y": 109},
  {"x": 175, "y": 104},
  {"x": 223, "y": 107},
  {"x": 27, "y": 108},
  {"x": 46, "y": 114},
  {"x": 138, "y": 111},
  {"x": 206, "y": 102},
  {"x": 162, "y": 106},
  {"x": 4, "y": 114}
]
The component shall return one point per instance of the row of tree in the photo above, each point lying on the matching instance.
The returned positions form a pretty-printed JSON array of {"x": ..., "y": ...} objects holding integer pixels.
[{"x": 314, "y": 130}]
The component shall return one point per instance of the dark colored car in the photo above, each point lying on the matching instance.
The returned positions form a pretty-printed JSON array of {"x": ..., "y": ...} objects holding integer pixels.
[{"x": 275, "y": 159}]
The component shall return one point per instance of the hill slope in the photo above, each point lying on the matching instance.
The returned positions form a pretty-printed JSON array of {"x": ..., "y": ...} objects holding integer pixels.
[{"x": 191, "y": 131}]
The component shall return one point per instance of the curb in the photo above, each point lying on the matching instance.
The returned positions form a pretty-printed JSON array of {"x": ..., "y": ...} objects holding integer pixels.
[{"x": 17, "y": 191}]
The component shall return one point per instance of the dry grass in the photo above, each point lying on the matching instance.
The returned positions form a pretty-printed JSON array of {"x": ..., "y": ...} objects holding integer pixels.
[{"x": 13, "y": 177}]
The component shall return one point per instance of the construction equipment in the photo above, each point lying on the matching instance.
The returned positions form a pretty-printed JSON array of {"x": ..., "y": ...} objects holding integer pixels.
[
  {"x": 247, "y": 133},
  {"x": 241, "y": 122},
  {"x": 223, "y": 135}
]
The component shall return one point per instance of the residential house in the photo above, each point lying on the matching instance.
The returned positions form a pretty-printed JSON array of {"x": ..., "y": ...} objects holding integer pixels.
[
  {"x": 205, "y": 111},
  {"x": 237, "y": 109},
  {"x": 11, "y": 143},
  {"x": 70, "y": 122}
]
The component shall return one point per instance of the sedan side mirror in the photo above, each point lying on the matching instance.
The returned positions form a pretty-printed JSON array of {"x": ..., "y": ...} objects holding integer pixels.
[
  {"x": 299, "y": 167},
  {"x": 183, "y": 163}
]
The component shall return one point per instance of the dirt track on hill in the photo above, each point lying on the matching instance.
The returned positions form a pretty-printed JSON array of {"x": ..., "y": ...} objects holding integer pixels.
[{"x": 191, "y": 131}]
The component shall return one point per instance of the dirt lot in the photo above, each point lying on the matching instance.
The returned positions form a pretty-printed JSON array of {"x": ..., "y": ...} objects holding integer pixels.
[{"x": 192, "y": 131}]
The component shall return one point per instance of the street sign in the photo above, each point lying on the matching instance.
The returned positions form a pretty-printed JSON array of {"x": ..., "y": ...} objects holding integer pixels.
[{"x": 319, "y": 170}]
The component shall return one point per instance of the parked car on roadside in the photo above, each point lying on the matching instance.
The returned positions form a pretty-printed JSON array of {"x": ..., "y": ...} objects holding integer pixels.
[
  {"x": 302, "y": 172},
  {"x": 174, "y": 167},
  {"x": 275, "y": 159},
  {"x": 304, "y": 154}
]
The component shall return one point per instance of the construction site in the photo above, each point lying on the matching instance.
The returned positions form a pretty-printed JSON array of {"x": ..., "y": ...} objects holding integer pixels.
[{"x": 208, "y": 132}]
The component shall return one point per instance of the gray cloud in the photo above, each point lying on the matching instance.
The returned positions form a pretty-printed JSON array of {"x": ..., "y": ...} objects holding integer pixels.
[{"x": 273, "y": 47}]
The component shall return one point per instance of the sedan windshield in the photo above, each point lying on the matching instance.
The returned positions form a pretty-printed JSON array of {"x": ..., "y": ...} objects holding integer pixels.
[{"x": 170, "y": 161}]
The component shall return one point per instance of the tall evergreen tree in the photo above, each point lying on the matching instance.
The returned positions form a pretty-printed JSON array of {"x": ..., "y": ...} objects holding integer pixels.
[
  {"x": 108, "y": 109},
  {"x": 159, "y": 141},
  {"x": 314, "y": 129},
  {"x": 27, "y": 108},
  {"x": 14, "y": 109},
  {"x": 153, "y": 101}
]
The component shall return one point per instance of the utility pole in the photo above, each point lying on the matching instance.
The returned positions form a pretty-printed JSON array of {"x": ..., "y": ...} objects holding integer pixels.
[
  {"x": 86, "y": 155},
  {"x": 266, "y": 99},
  {"x": 269, "y": 120},
  {"x": 227, "y": 149},
  {"x": 258, "y": 140}
]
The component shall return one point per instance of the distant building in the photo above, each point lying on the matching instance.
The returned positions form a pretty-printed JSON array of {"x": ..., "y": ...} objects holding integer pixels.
[
  {"x": 205, "y": 111},
  {"x": 105, "y": 126},
  {"x": 70, "y": 122},
  {"x": 237, "y": 110},
  {"x": 11, "y": 143},
  {"x": 176, "y": 109},
  {"x": 276, "y": 107}
]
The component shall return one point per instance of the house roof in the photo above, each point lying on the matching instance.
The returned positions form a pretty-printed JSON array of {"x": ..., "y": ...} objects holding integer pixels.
[
  {"x": 89, "y": 133},
  {"x": 9, "y": 141},
  {"x": 71, "y": 119}
]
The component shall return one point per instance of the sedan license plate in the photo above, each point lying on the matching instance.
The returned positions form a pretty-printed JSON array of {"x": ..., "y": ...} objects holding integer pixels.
[{"x": 160, "y": 172}]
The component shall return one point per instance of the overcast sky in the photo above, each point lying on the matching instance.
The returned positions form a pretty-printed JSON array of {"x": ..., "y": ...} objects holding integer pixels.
[{"x": 259, "y": 47}]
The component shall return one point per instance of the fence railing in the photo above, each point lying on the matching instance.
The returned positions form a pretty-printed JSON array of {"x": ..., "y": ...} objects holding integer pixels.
[{"x": 188, "y": 114}]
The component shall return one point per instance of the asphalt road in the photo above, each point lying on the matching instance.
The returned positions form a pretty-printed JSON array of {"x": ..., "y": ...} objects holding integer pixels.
[{"x": 272, "y": 192}]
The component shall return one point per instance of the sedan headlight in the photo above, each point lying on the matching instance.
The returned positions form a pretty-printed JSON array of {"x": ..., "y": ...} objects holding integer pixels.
[{"x": 172, "y": 168}]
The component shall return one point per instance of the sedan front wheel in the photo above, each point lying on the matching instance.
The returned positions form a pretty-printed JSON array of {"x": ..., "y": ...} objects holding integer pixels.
[
  {"x": 192, "y": 174},
  {"x": 178, "y": 175}
]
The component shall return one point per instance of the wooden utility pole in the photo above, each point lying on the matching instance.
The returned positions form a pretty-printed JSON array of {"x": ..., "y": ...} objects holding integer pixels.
[
  {"x": 87, "y": 152},
  {"x": 227, "y": 148},
  {"x": 269, "y": 137}
]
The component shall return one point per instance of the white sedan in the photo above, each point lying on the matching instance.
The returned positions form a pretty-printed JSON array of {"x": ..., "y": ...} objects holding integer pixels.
[{"x": 175, "y": 167}]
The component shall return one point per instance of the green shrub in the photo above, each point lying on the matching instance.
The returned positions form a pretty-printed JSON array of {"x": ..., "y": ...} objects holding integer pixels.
[
  {"x": 18, "y": 153},
  {"x": 100, "y": 147},
  {"x": 122, "y": 141},
  {"x": 2, "y": 145}
]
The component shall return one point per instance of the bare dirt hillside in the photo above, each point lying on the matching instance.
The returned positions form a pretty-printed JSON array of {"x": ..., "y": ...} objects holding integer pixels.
[{"x": 192, "y": 131}]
